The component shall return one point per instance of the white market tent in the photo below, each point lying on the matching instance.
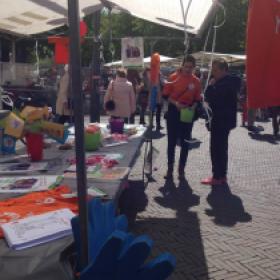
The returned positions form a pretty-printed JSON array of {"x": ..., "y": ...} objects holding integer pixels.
[
  {"x": 147, "y": 60},
  {"x": 26, "y": 17},
  {"x": 205, "y": 57}
]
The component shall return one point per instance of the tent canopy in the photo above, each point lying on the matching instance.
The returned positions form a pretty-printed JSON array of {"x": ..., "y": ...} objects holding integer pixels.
[
  {"x": 147, "y": 60},
  {"x": 230, "y": 58},
  {"x": 26, "y": 17}
]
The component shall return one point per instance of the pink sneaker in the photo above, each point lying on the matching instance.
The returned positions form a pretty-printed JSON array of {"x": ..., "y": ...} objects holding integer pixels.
[
  {"x": 212, "y": 181},
  {"x": 207, "y": 181}
]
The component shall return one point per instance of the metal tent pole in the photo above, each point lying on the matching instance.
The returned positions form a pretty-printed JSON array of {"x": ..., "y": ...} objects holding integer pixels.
[
  {"x": 76, "y": 87},
  {"x": 95, "y": 73}
]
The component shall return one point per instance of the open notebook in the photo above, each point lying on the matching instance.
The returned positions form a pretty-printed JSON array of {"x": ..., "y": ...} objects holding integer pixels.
[{"x": 39, "y": 229}]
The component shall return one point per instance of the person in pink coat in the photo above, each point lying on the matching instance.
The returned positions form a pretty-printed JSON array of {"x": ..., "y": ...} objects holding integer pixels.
[{"x": 122, "y": 93}]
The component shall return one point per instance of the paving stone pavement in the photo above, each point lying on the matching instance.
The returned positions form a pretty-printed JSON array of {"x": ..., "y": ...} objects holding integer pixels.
[{"x": 216, "y": 233}]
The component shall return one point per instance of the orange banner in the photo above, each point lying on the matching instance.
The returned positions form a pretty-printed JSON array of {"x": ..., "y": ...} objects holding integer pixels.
[{"x": 263, "y": 53}]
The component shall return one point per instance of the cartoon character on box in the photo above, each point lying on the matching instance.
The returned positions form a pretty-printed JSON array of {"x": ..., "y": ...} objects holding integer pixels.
[{"x": 8, "y": 144}]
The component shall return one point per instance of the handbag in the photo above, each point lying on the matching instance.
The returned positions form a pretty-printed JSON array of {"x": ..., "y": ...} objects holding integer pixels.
[{"x": 110, "y": 105}]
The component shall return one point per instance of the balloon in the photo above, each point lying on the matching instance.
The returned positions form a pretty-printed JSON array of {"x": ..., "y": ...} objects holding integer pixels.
[
  {"x": 155, "y": 68},
  {"x": 83, "y": 29},
  {"x": 61, "y": 49},
  {"x": 62, "y": 44},
  {"x": 263, "y": 59}
]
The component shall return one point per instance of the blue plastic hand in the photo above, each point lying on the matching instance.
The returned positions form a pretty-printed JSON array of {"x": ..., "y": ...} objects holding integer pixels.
[
  {"x": 132, "y": 256},
  {"x": 104, "y": 266},
  {"x": 158, "y": 269},
  {"x": 122, "y": 258},
  {"x": 102, "y": 222}
]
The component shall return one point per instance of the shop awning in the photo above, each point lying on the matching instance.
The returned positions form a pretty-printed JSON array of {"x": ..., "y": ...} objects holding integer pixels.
[{"x": 26, "y": 17}]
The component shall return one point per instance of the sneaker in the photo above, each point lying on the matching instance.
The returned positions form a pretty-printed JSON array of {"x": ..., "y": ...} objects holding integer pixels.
[
  {"x": 214, "y": 182},
  {"x": 159, "y": 127},
  {"x": 207, "y": 181},
  {"x": 169, "y": 174}
]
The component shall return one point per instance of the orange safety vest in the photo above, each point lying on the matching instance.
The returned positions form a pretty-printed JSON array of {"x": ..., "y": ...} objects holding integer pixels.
[{"x": 36, "y": 203}]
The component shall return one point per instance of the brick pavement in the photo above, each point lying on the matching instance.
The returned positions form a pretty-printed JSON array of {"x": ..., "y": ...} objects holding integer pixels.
[{"x": 216, "y": 233}]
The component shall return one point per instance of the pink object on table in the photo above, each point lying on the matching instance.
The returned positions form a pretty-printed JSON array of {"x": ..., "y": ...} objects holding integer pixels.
[
  {"x": 34, "y": 144},
  {"x": 116, "y": 125}
]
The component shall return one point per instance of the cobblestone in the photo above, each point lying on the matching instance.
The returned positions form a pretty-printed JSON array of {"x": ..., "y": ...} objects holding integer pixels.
[{"x": 217, "y": 234}]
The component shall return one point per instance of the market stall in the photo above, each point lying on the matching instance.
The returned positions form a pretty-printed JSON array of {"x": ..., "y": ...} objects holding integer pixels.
[
  {"x": 37, "y": 16},
  {"x": 46, "y": 257}
]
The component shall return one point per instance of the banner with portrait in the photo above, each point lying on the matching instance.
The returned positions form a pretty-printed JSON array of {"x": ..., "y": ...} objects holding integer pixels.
[
  {"x": 132, "y": 52},
  {"x": 263, "y": 53}
]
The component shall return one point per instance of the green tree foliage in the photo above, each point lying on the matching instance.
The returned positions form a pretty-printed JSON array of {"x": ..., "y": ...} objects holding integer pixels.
[
  {"x": 231, "y": 36},
  {"x": 124, "y": 25}
]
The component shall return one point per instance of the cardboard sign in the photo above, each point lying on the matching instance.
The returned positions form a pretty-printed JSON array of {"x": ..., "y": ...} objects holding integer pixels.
[
  {"x": 133, "y": 52},
  {"x": 55, "y": 130},
  {"x": 14, "y": 125},
  {"x": 31, "y": 114}
]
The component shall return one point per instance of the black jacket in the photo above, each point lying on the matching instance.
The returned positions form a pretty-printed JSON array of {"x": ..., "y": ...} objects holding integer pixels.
[{"x": 222, "y": 98}]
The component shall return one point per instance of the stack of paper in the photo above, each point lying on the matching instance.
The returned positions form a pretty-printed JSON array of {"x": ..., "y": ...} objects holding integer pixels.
[
  {"x": 103, "y": 174},
  {"x": 35, "y": 230},
  {"x": 22, "y": 167},
  {"x": 27, "y": 183}
]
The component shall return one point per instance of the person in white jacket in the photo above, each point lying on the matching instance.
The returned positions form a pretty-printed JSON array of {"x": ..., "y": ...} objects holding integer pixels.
[{"x": 63, "y": 111}]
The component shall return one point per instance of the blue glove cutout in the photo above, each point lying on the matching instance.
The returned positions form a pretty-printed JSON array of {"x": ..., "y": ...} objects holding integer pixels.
[
  {"x": 158, "y": 269},
  {"x": 102, "y": 222},
  {"x": 115, "y": 254},
  {"x": 122, "y": 258}
]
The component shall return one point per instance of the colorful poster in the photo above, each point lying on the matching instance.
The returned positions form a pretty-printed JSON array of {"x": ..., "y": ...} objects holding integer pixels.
[
  {"x": 263, "y": 59},
  {"x": 133, "y": 52}
]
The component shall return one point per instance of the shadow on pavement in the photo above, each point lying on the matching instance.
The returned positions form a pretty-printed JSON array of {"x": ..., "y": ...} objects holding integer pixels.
[
  {"x": 264, "y": 137},
  {"x": 226, "y": 208},
  {"x": 179, "y": 231},
  {"x": 133, "y": 200},
  {"x": 194, "y": 144},
  {"x": 157, "y": 134}
]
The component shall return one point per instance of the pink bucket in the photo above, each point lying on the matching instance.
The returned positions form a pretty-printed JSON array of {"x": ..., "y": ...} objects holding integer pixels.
[{"x": 116, "y": 125}]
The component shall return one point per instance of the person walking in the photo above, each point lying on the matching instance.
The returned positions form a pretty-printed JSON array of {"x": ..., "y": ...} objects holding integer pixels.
[
  {"x": 159, "y": 104},
  {"x": 63, "y": 108},
  {"x": 221, "y": 94},
  {"x": 122, "y": 93},
  {"x": 134, "y": 77},
  {"x": 182, "y": 91},
  {"x": 143, "y": 95}
]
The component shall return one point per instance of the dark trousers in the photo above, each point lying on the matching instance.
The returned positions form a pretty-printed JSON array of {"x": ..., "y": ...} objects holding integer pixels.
[
  {"x": 142, "y": 115},
  {"x": 132, "y": 119},
  {"x": 275, "y": 113},
  {"x": 177, "y": 130},
  {"x": 219, "y": 150},
  {"x": 158, "y": 115},
  {"x": 64, "y": 119}
]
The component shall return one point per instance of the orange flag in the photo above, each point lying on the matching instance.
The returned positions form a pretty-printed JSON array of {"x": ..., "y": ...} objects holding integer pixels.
[{"x": 263, "y": 53}]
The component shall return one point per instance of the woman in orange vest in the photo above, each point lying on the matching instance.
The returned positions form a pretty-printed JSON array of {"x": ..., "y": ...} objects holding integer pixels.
[{"x": 182, "y": 91}]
